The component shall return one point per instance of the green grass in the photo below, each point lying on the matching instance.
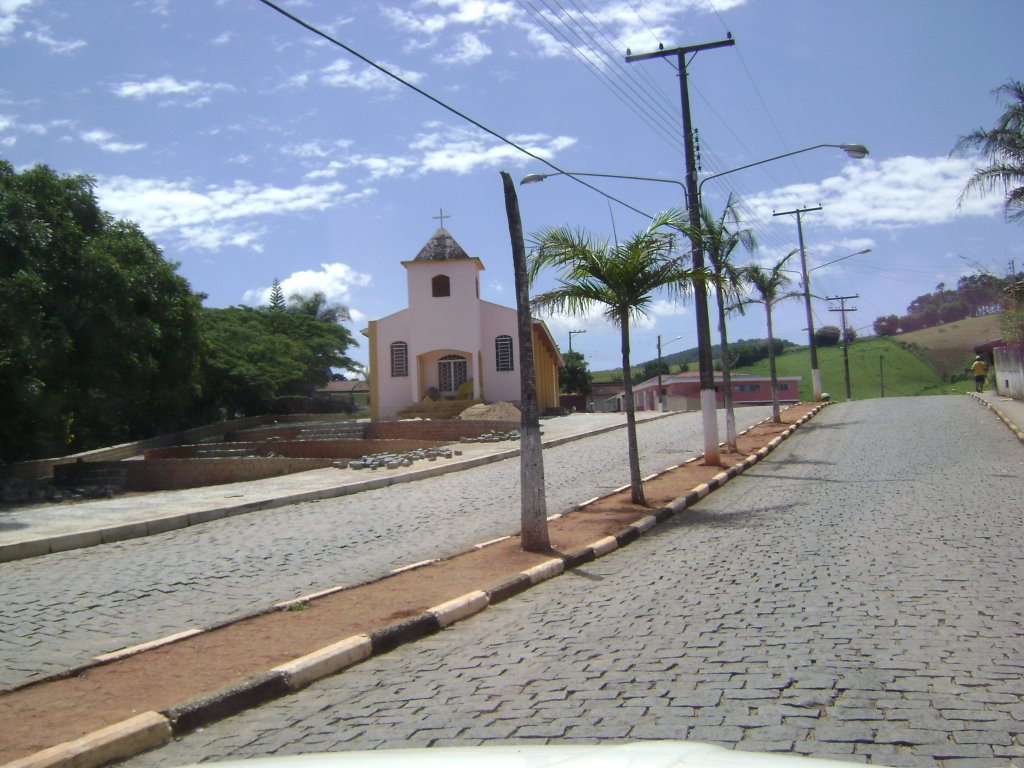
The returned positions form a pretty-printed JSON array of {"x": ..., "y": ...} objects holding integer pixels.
[{"x": 906, "y": 374}]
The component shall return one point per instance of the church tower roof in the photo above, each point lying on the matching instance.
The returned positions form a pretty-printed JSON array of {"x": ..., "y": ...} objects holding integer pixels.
[{"x": 441, "y": 247}]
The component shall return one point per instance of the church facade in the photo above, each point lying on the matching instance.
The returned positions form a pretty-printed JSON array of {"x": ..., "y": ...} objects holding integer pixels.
[{"x": 450, "y": 344}]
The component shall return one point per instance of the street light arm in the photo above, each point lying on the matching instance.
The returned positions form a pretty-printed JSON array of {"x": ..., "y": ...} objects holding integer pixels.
[
  {"x": 533, "y": 178},
  {"x": 841, "y": 258},
  {"x": 856, "y": 151}
]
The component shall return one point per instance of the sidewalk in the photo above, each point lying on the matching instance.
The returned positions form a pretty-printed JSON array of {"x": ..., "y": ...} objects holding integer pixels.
[
  {"x": 1006, "y": 408},
  {"x": 41, "y": 529}
]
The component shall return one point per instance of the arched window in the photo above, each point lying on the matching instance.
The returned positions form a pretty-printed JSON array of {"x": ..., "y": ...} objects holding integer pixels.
[
  {"x": 440, "y": 285},
  {"x": 399, "y": 358},
  {"x": 503, "y": 353}
]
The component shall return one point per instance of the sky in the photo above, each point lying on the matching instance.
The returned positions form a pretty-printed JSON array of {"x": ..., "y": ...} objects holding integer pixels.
[{"x": 250, "y": 148}]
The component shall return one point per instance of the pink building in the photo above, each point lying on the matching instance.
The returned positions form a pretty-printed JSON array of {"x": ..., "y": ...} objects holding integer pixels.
[
  {"x": 449, "y": 342},
  {"x": 682, "y": 391}
]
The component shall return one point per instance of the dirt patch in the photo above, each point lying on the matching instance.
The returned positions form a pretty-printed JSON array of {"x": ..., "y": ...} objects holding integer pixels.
[
  {"x": 493, "y": 412},
  {"x": 50, "y": 712}
]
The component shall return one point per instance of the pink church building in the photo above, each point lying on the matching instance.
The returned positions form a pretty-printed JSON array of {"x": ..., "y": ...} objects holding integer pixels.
[{"x": 450, "y": 344}]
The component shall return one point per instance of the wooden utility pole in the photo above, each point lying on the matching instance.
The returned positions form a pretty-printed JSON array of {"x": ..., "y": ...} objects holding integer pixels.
[
  {"x": 843, "y": 309},
  {"x": 708, "y": 399}
]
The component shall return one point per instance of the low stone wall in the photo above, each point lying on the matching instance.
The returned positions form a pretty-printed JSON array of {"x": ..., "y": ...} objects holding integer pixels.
[
  {"x": 309, "y": 449},
  {"x": 173, "y": 474},
  {"x": 443, "y": 431}
]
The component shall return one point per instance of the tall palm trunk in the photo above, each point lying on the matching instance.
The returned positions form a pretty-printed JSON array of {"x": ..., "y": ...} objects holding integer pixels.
[
  {"x": 776, "y": 416},
  {"x": 636, "y": 486},
  {"x": 534, "y": 536}
]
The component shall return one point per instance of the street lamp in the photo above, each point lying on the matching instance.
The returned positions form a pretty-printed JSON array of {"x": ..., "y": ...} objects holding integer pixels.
[{"x": 856, "y": 151}]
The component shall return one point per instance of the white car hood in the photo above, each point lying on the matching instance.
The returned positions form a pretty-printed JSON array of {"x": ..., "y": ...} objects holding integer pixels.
[{"x": 641, "y": 754}]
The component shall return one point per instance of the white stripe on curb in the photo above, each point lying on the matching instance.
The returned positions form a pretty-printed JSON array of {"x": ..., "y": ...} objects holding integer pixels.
[
  {"x": 544, "y": 571},
  {"x": 123, "y": 739},
  {"x": 460, "y": 608},
  {"x": 333, "y": 658},
  {"x": 603, "y": 546}
]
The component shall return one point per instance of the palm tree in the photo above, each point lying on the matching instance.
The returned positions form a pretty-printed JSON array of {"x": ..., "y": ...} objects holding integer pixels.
[
  {"x": 1003, "y": 146},
  {"x": 720, "y": 240},
  {"x": 622, "y": 278},
  {"x": 317, "y": 306},
  {"x": 768, "y": 284}
]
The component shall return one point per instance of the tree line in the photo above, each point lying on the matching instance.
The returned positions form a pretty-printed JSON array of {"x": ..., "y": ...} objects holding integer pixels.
[
  {"x": 974, "y": 296},
  {"x": 102, "y": 341}
]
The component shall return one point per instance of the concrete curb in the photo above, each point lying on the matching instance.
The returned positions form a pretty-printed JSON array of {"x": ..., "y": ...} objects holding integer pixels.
[
  {"x": 151, "y": 729},
  {"x": 1002, "y": 416},
  {"x": 115, "y": 742}
]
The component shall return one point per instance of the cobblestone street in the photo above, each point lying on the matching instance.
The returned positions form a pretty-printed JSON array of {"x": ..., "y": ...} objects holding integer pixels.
[
  {"x": 61, "y": 610},
  {"x": 858, "y": 595}
]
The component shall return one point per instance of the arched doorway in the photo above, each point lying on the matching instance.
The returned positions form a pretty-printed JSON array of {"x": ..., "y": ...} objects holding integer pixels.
[{"x": 452, "y": 372}]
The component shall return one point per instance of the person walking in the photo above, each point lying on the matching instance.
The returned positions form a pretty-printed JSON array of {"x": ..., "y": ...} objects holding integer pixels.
[{"x": 980, "y": 371}]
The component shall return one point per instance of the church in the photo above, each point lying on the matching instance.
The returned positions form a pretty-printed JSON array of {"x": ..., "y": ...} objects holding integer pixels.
[{"x": 448, "y": 344}]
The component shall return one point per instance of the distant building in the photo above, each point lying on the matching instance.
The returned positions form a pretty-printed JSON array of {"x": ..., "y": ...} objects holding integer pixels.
[
  {"x": 449, "y": 343},
  {"x": 682, "y": 391}
]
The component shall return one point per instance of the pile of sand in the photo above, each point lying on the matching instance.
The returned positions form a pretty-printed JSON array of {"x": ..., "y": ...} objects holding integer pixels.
[{"x": 492, "y": 412}]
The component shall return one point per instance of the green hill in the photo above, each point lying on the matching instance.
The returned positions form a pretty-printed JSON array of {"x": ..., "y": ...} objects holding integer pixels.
[{"x": 874, "y": 362}]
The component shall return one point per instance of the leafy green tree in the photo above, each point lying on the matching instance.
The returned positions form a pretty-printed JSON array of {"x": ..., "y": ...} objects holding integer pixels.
[
  {"x": 827, "y": 335},
  {"x": 252, "y": 357},
  {"x": 1003, "y": 147},
  {"x": 887, "y": 325},
  {"x": 622, "y": 278},
  {"x": 98, "y": 333},
  {"x": 650, "y": 369},
  {"x": 768, "y": 285},
  {"x": 574, "y": 376}
]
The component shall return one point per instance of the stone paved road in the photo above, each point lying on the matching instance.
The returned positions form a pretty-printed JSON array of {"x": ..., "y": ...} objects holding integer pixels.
[
  {"x": 61, "y": 610},
  {"x": 858, "y": 595}
]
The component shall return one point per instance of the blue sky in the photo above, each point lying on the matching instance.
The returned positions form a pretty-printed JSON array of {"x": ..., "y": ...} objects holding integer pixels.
[{"x": 248, "y": 148}]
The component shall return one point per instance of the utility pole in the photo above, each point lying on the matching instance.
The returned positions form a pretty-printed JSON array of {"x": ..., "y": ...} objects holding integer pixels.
[
  {"x": 708, "y": 400},
  {"x": 661, "y": 392},
  {"x": 571, "y": 334},
  {"x": 811, "y": 343},
  {"x": 843, "y": 309}
]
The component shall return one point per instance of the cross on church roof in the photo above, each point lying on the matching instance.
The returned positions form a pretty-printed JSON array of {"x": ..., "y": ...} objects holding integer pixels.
[{"x": 442, "y": 217}]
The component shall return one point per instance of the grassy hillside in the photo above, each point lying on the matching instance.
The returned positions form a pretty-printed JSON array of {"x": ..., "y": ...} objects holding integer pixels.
[
  {"x": 872, "y": 361},
  {"x": 949, "y": 347}
]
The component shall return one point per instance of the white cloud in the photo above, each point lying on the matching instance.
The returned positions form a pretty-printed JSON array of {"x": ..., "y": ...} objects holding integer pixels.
[
  {"x": 441, "y": 150},
  {"x": 214, "y": 217},
  {"x": 105, "y": 141},
  {"x": 223, "y": 38},
  {"x": 407, "y": 21},
  {"x": 894, "y": 193},
  {"x": 462, "y": 151},
  {"x": 9, "y": 16},
  {"x": 167, "y": 86},
  {"x": 342, "y": 74},
  {"x": 42, "y": 35},
  {"x": 335, "y": 280},
  {"x": 469, "y": 49}
]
